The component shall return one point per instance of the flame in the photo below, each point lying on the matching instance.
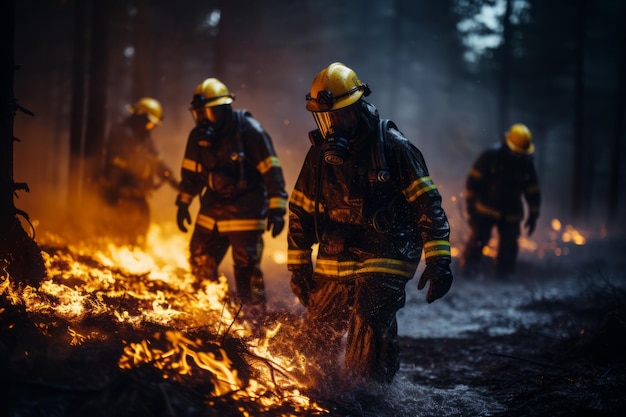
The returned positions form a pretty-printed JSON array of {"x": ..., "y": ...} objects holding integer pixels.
[{"x": 137, "y": 287}]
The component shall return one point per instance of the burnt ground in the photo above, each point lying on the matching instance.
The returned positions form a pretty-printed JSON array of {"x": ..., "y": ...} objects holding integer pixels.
[{"x": 573, "y": 363}]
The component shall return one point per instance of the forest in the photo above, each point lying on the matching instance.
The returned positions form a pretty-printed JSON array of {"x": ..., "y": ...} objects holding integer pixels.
[
  {"x": 113, "y": 331},
  {"x": 452, "y": 74}
]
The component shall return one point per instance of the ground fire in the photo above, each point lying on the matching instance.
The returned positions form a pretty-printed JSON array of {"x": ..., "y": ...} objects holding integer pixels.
[{"x": 140, "y": 305}]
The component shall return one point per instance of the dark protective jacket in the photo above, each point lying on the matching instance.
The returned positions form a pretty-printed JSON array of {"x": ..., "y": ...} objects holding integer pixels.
[
  {"x": 236, "y": 172},
  {"x": 133, "y": 166},
  {"x": 497, "y": 182},
  {"x": 363, "y": 225}
]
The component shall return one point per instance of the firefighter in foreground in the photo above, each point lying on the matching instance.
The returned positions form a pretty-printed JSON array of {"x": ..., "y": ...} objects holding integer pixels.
[
  {"x": 496, "y": 183},
  {"x": 365, "y": 195},
  {"x": 133, "y": 170},
  {"x": 231, "y": 164}
]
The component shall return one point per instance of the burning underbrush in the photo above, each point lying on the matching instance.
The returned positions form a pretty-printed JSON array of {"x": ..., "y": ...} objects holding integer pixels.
[{"x": 115, "y": 331}]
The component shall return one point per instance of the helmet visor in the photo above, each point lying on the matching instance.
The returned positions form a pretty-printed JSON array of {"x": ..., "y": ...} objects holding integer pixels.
[
  {"x": 342, "y": 121},
  {"x": 214, "y": 115}
]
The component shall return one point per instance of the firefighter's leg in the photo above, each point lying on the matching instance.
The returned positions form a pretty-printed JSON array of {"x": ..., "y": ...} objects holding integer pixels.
[
  {"x": 206, "y": 252},
  {"x": 247, "y": 251},
  {"x": 372, "y": 349},
  {"x": 473, "y": 253},
  {"x": 327, "y": 319},
  {"x": 508, "y": 248}
]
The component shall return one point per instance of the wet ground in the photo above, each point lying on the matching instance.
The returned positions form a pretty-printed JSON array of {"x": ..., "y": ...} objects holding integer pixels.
[{"x": 550, "y": 342}]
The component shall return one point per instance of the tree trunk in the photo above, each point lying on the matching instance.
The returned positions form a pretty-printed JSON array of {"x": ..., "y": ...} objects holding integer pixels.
[
  {"x": 20, "y": 256},
  {"x": 141, "y": 58},
  {"x": 580, "y": 182},
  {"x": 77, "y": 112},
  {"x": 505, "y": 71},
  {"x": 97, "y": 95},
  {"x": 618, "y": 133}
]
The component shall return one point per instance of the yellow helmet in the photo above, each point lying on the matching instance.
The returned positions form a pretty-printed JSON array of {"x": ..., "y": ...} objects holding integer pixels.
[
  {"x": 335, "y": 87},
  {"x": 210, "y": 93},
  {"x": 148, "y": 107},
  {"x": 519, "y": 139}
]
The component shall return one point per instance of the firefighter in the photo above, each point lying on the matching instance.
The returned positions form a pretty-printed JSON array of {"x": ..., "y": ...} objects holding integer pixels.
[
  {"x": 230, "y": 163},
  {"x": 364, "y": 194},
  {"x": 133, "y": 169},
  {"x": 496, "y": 183}
]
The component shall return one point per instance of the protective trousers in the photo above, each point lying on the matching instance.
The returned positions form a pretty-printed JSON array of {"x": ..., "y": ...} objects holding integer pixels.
[
  {"x": 508, "y": 247},
  {"x": 207, "y": 250},
  {"x": 366, "y": 308}
]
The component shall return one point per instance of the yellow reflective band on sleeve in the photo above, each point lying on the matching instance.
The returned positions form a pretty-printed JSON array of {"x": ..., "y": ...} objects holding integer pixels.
[
  {"x": 191, "y": 165},
  {"x": 277, "y": 202},
  {"x": 474, "y": 173},
  {"x": 437, "y": 248},
  {"x": 185, "y": 198},
  {"x": 205, "y": 222},
  {"x": 345, "y": 269},
  {"x": 267, "y": 164},
  {"x": 299, "y": 199},
  {"x": 534, "y": 210},
  {"x": 533, "y": 189},
  {"x": 119, "y": 162},
  {"x": 488, "y": 211},
  {"x": 240, "y": 225},
  {"x": 298, "y": 257},
  {"x": 418, "y": 188}
]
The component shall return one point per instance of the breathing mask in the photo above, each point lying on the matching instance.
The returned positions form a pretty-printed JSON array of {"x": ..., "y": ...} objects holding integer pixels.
[{"x": 336, "y": 129}]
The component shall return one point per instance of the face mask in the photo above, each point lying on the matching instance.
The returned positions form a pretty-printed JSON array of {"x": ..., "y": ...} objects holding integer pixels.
[{"x": 336, "y": 128}]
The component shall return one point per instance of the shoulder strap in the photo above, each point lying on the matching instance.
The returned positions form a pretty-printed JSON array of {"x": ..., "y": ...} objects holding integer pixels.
[
  {"x": 239, "y": 154},
  {"x": 379, "y": 171}
]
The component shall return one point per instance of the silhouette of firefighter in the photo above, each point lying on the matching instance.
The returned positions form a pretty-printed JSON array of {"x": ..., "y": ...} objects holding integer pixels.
[
  {"x": 230, "y": 163},
  {"x": 498, "y": 182},
  {"x": 133, "y": 170},
  {"x": 365, "y": 196}
]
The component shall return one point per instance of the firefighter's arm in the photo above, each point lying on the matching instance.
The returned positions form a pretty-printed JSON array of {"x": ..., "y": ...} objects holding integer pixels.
[
  {"x": 435, "y": 232},
  {"x": 420, "y": 191},
  {"x": 299, "y": 261},
  {"x": 259, "y": 146},
  {"x": 193, "y": 179},
  {"x": 532, "y": 195},
  {"x": 302, "y": 234}
]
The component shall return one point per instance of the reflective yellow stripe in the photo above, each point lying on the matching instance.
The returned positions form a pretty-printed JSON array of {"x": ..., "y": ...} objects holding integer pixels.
[
  {"x": 489, "y": 211},
  {"x": 298, "y": 257},
  {"x": 299, "y": 199},
  {"x": 437, "y": 248},
  {"x": 205, "y": 221},
  {"x": 119, "y": 162},
  {"x": 534, "y": 210},
  {"x": 238, "y": 225},
  {"x": 267, "y": 164},
  {"x": 234, "y": 225},
  {"x": 474, "y": 173},
  {"x": 185, "y": 198},
  {"x": 191, "y": 165},
  {"x": 418, "y": 188},
  {"x": 277, "y": 202},
  {"x": 343, "y": 269}
]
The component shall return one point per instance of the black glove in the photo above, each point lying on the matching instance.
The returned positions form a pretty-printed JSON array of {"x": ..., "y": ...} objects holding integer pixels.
[
  {"x": 440, "y": 276},
  {"x": 275, "y": 221},
  {"x": 182, "y": 216},
  {"x": 530, "y": 224},
  {"x": 302, "y": 283}
]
